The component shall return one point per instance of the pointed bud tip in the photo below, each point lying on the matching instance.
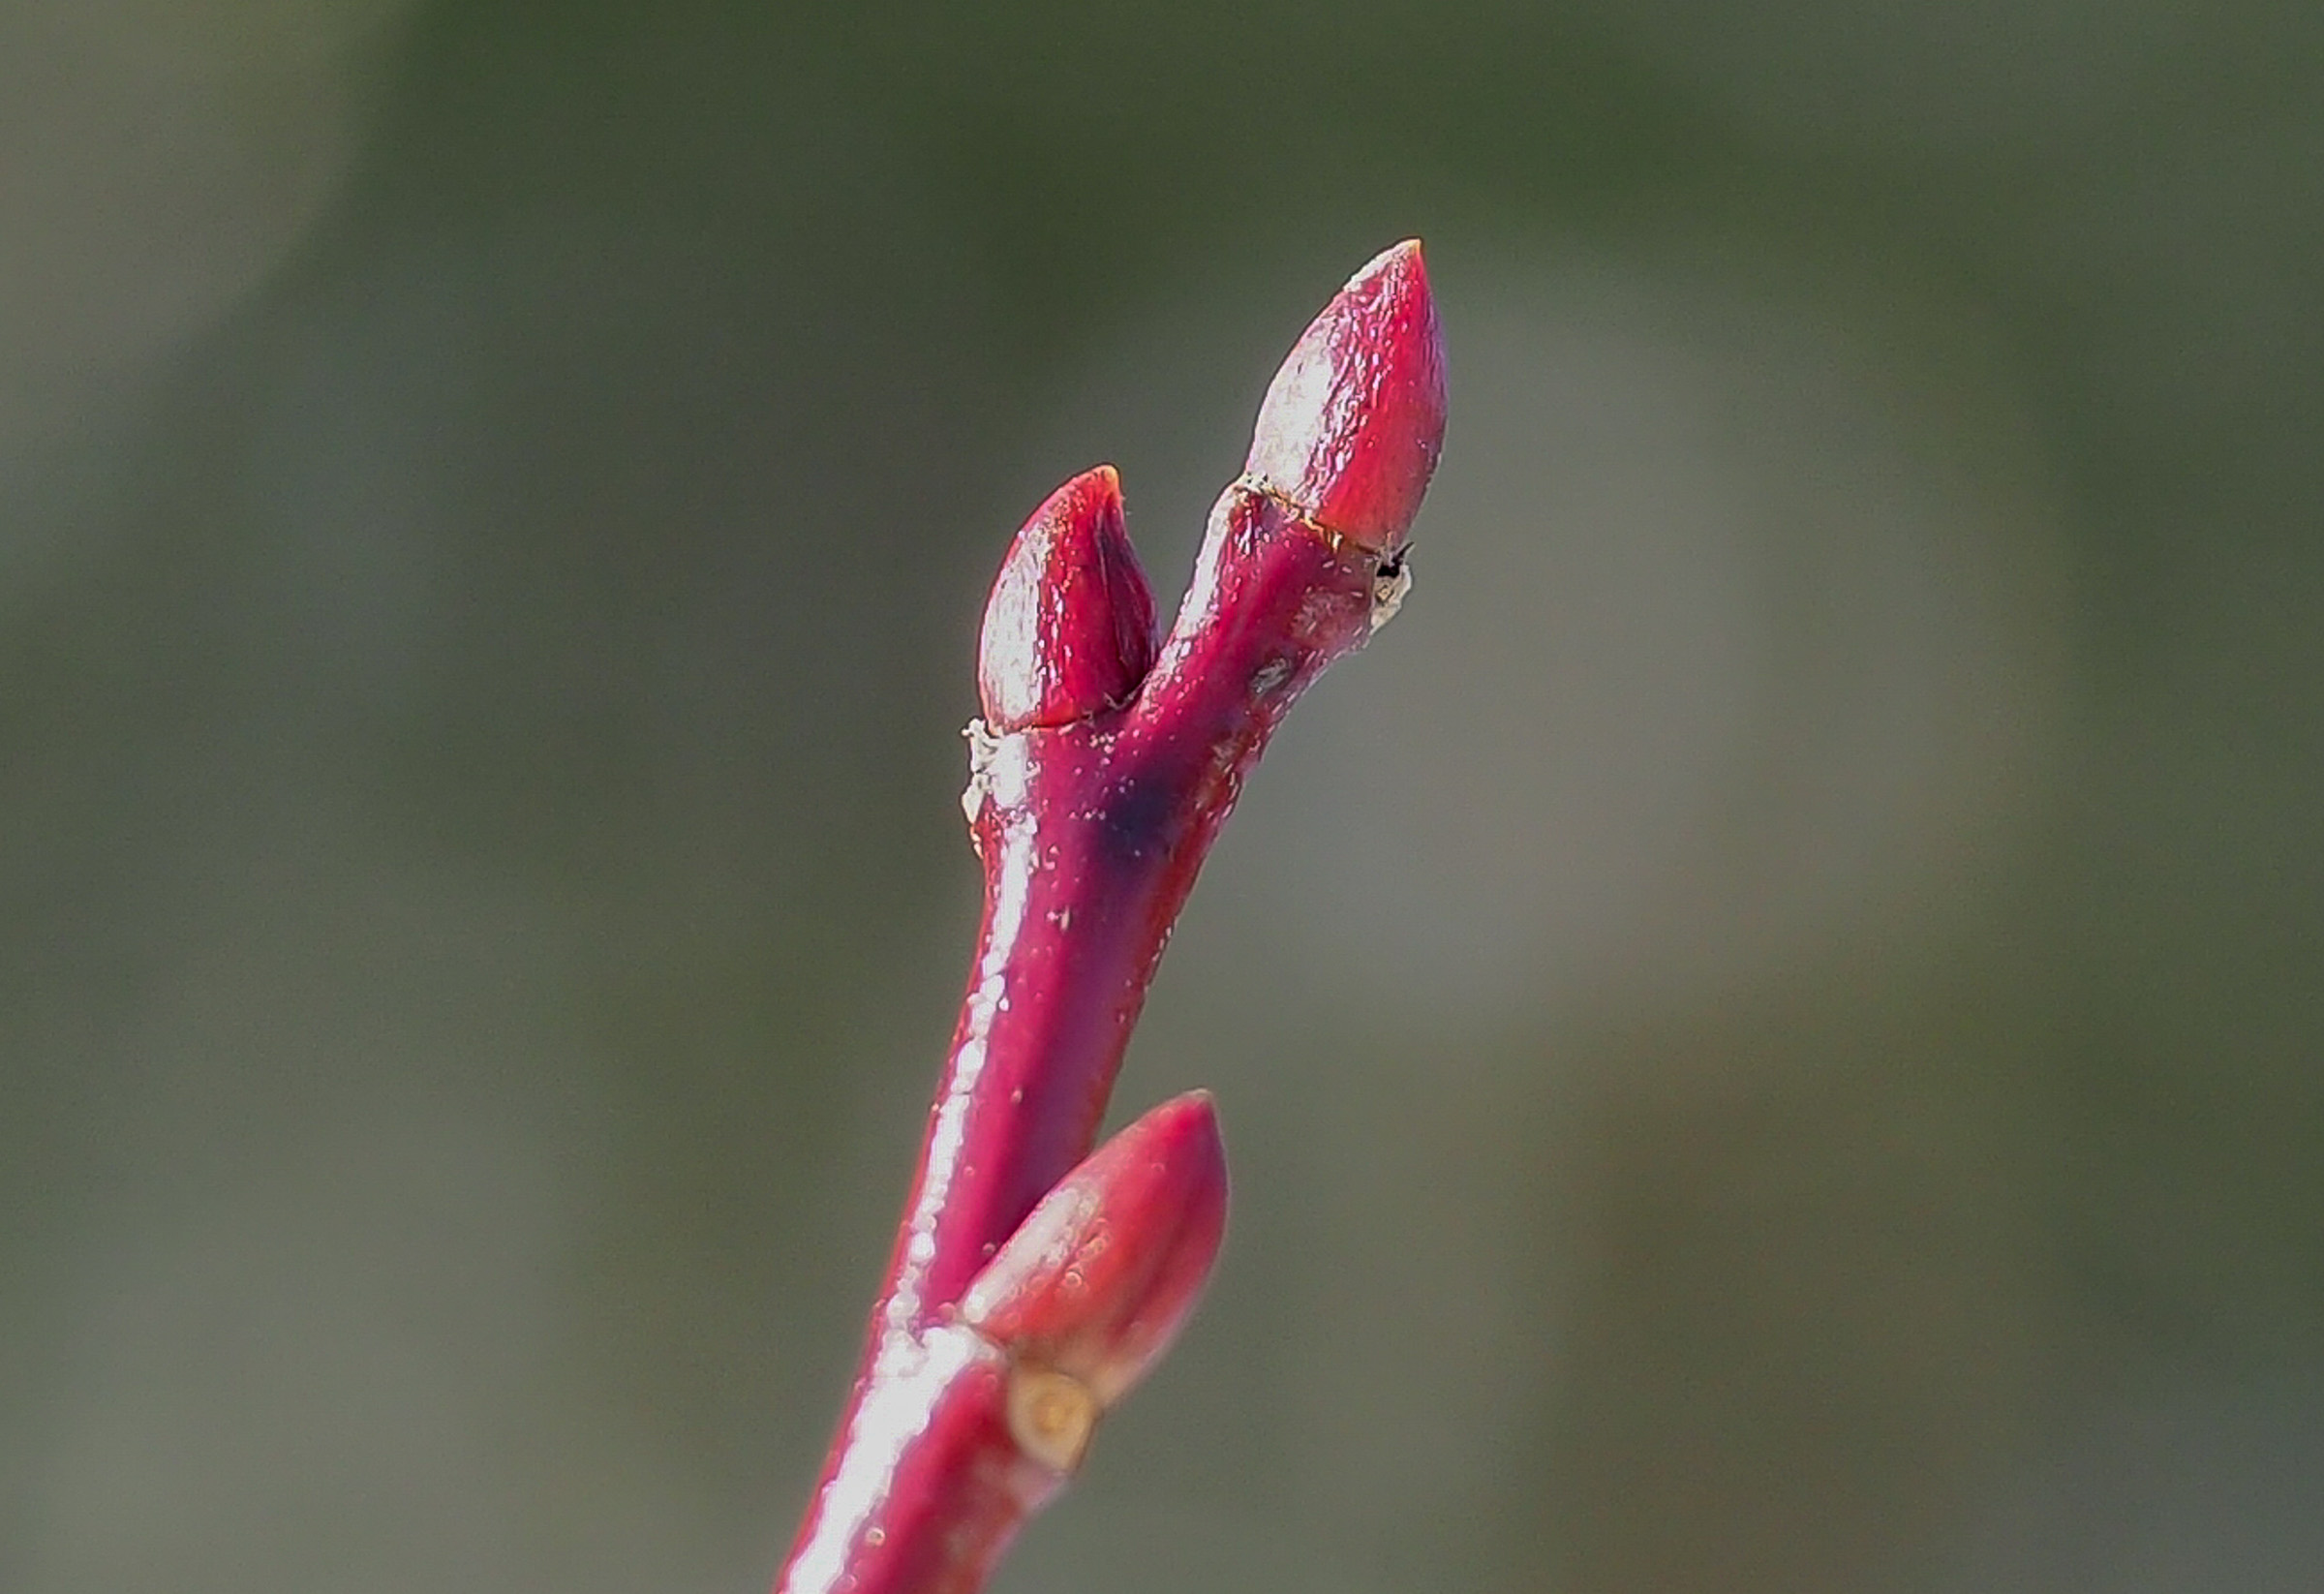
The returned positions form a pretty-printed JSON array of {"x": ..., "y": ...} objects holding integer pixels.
[
  {"x": 1069, "y": 629},
  {"x": 1352, "y": 424},
  {"x": 1099, "y": 1278}
]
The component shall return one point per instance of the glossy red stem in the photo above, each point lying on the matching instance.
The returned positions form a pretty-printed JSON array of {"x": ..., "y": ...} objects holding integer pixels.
[
  {"x": 1091, "y": 832},
  {"x": 1092, "y": 835},
  {"x": 970, "y": 1425},
  {"x": 928, "y": 1487}
]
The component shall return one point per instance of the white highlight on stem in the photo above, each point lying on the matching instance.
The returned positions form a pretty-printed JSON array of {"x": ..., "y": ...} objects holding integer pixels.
[{"x": 903, "y": 1395}]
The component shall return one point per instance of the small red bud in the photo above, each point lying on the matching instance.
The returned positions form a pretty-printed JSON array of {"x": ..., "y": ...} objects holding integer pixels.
[
  {"x": 1096, "y": 1282},
  {"x": 1069, "y": 630},
  {"x": 1353, "y": 421}
]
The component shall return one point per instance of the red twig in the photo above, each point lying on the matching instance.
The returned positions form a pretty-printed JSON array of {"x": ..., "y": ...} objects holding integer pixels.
[{"x": 1099, "y": 775}]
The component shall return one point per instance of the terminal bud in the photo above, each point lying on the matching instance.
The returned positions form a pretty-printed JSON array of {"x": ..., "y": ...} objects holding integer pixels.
[{"x": 1352, "y": 424}]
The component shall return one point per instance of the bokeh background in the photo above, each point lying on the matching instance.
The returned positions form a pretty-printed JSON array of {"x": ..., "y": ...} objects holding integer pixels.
[{"x": 1767, "y": 1028}]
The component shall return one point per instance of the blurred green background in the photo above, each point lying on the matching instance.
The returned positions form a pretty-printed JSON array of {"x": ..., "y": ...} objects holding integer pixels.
[{"x": 1767, "y": 1028}]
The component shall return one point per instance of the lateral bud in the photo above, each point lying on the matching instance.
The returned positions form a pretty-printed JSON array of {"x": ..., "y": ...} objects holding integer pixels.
[
  {"x": 1098, "y": 1280},
  {"x": 1352, "y": 424},
  {"x": 1069, "y": 630}
]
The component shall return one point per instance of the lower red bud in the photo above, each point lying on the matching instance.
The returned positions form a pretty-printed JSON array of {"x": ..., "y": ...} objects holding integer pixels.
[{"x": 1099, "y": 1278}]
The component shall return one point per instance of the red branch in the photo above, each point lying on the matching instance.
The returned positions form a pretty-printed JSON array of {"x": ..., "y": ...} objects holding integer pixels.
[{"x": 1026, "y": 1294}]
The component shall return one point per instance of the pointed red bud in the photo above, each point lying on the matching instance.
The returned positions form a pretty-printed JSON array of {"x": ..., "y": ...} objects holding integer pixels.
[
  {"x": 1097, "y": 1281},
  {"x": 1069, "y": 630},
  {"x": 1353, "y": 421}
]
